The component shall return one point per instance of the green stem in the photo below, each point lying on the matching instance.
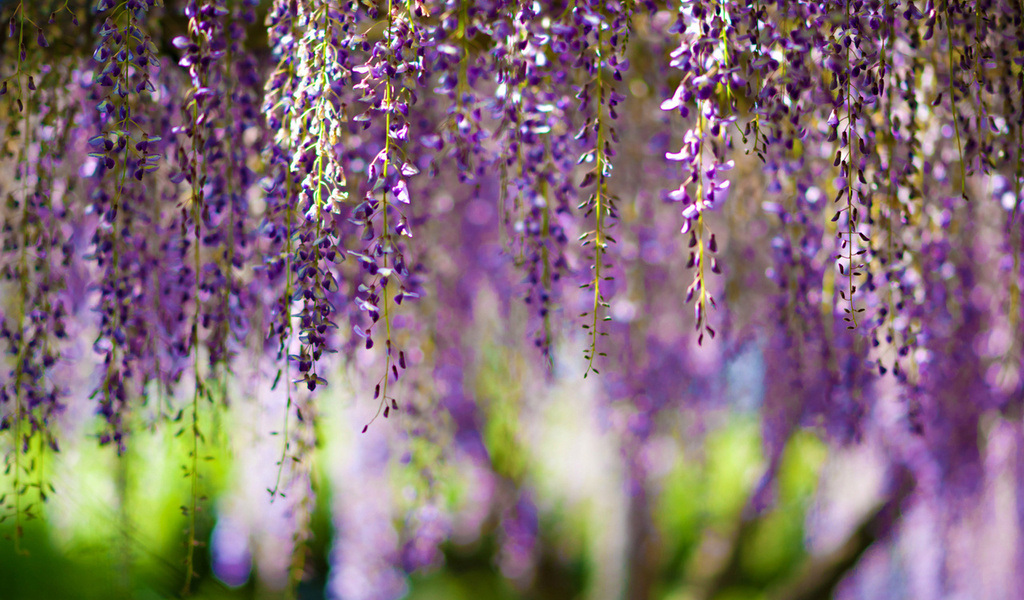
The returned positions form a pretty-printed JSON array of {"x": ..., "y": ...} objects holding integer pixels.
[
  {"x": 952, "y": 98},
  {"x": 599, "y": 207}
]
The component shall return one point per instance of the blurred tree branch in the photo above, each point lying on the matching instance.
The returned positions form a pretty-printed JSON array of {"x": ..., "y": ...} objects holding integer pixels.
[{"x": 818, "y": 576}]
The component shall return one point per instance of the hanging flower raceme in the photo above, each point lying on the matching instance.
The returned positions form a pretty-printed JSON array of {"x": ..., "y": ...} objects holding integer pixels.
[
  {"x": 386, "y": 81},
  {"x": 237, "y": 297},
  {"x": 35, "y": 260},
  {"x": 708, "y": 80},
  {"x": 211, "y": 159},
  {"x": 461, "y": 72},
  {"x": 198, "y": 163},
  {"x": 537, "y": 183},
  {"x": 305, "y": 105},
  {"x": 202, "y": 165},
  {"x": 123, "y": 153},
  {"x": 597, "y": 34}
]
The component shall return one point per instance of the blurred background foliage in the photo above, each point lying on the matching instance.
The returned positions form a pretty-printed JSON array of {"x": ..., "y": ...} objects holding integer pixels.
[{"x": 114, "y": 526}]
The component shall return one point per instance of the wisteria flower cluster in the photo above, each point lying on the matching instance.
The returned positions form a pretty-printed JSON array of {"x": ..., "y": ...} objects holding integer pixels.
[{"x": 313, "y": 188}]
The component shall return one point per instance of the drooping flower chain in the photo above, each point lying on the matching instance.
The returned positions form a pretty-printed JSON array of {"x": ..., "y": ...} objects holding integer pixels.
[
  {"x": 703, "y": 56},
  {"x": 122, "y": 150},
  {"x": 385, "y": 82},
  {"x": 538, "y": 162},
  {"x": 607, "y": 25}
]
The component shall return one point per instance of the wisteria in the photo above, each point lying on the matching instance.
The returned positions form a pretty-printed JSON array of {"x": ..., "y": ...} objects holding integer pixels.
[{"x": 322, "y": 196}]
